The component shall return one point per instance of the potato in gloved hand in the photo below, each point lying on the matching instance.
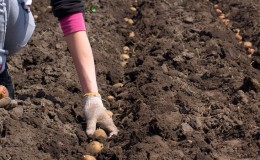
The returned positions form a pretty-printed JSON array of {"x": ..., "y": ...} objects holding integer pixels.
[
  {"x": 3, "y": 92},
  {"x": 5, "y": 100},
  {"x": 96, "y": 114}
]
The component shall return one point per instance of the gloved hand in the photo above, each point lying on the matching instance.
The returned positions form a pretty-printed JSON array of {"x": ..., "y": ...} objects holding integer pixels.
[
  {"x": 5, "y": 102},
  {"x": 8, "y": 103},
  {"x": 96, "y": 114}
]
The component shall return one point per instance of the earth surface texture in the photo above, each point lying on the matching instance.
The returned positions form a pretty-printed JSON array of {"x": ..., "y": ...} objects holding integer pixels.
[{"x": 190, "y": 90}]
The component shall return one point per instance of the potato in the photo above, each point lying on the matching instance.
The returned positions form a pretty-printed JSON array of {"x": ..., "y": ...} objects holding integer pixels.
[
  {"x": 123, "y": 64},
  {"x": 132, "y": 34},
  {"x": 110, "y": 98},
  {"x": 126, "y": 19},
  {"x": 221, "y": 16},
  {"x": 218, "y": 11},
  {"x": 130, "y": 21},
  {"x": 250, "y": 51},
  {"x": 126, "y": 48},
  {"x": 238, "y": 37},
  {"x": 226, "y": 21},
  {"x": 35, "y": 16},
  {"x": 124, "y": 57},
  {"x": 215, "y": 6},
  {"x": 133, "y": 9},
  {"x": 94, "y": 147},
  {"x": 247, "y": 44},
  {"x": 3, "y": 92},
  {"x": 118, "y": 85},
  {"x": 100, "y": 133},
  {"x": 88, "y": 157}
]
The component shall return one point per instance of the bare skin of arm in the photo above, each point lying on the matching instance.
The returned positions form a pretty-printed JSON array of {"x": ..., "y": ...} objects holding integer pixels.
[{"x": 82, "y": 55}]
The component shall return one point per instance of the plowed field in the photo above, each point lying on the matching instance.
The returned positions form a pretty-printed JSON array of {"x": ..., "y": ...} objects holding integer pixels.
[{"x": 190, "y": 89}]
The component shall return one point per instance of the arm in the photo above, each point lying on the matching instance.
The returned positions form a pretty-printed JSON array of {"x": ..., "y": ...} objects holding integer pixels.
[
  {"x": 94, "y": 110},
  {"x": 69, "y": 13},
  {"x": 81, "y": 52}
]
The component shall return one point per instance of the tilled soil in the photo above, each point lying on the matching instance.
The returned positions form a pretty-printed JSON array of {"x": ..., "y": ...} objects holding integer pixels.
[{"x": 190, "y": 89}]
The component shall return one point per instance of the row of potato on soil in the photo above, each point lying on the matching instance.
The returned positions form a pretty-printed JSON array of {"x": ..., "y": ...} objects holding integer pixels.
[{"x": 248, "y": 45}]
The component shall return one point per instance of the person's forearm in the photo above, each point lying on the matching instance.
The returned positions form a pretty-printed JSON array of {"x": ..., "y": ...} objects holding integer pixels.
[{"x": 82, "y": 55}]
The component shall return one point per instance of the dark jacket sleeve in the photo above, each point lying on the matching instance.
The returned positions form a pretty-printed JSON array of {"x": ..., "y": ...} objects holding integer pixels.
[{"x": 62, "y": 8}]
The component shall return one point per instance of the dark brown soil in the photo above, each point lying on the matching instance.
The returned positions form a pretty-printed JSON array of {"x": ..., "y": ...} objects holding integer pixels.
[{"x": 190, "y": 90}]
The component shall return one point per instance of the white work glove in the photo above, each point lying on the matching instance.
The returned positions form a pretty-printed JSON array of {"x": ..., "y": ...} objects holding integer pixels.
[
  {"x": 96, "y": 114},
  {"x": 8, "y": 103}
]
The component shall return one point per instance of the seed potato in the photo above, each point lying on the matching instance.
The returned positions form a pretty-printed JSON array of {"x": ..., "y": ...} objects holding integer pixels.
[
  {"x": 110, "y": 98},
  {"x": 133, "y": 9},
  {"x": 100, "y": 133},
  {"x": 123, "y": 64},
  {"x": 88, "y": 157},
  {"x": 250, "y": 51},
  {"x": 132, "y": 34},
  {"x": 3, "y": 92},
  {"x": 238, "y": 37},
  {"x": 218, "y": 11},
  {"x": 124, "y": 56},
  {"x": 130, "y": 21},
  {"x": 118, "y": 85},
  {"x": 94, "y": 147},
  {"x": 247, "y": 44},
  {"x": 126, "y": 48}
]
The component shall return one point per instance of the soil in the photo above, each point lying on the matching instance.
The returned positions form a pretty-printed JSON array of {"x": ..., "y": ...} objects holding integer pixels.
[{"x": 191, "y": 92}]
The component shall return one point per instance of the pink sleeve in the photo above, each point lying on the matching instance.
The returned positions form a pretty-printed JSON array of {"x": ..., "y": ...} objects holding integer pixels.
[{"x": 72, "y": 23}]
